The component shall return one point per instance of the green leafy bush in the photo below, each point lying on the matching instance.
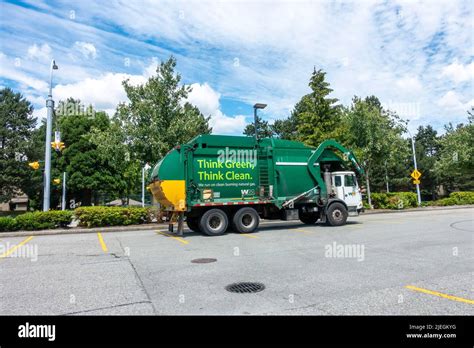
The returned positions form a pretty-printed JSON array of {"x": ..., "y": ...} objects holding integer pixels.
[
  {"x": 455, "y": 198},
  {"x": 394, "y": 200},
  {"x": 36, "y": 221},
  {"x": 40, "y": 220},
  {"x": 7, "y": 224},
  {"x": 112, "y": 216}
]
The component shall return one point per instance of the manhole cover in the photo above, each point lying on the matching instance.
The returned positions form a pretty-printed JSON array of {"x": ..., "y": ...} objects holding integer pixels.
[
  {"x": 246, "y": 287},
  {"x": 203, "y": 260}
]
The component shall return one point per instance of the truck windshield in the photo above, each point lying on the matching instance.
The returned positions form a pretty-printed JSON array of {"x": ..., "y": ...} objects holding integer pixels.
[{"x": 349, "y": 180}]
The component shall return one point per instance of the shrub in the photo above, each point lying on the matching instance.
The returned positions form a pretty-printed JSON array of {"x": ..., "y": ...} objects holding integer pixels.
[
  {"x": 455, "y": 198},
  {"x": 7, "y": 224},
  {"x": 463, "y": 197},
  {"x": 112, "y": 216},
  {"x": 43, "y": 220},
  {"x": 394, "y": 200}
]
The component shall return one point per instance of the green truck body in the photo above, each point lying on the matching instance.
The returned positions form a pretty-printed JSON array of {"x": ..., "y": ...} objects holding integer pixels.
[{"x": 228, "y": 172}]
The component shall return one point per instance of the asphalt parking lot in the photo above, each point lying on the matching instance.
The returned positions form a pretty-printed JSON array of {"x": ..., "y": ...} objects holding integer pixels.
[{"x": 401, "y": 263}]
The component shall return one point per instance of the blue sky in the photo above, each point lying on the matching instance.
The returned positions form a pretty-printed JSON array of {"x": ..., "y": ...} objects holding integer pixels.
[{"x": 417, "y": 57}]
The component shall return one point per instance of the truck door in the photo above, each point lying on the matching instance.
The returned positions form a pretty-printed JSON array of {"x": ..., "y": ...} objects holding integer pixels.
[
  {"x": 346, "y": 188},
  {"x": 352, "y": 196}
]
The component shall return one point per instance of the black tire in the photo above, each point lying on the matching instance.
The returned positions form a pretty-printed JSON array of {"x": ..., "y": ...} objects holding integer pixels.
[
  {"x": 193, "y": 223},
  {"x": 309, "y": 218},
  {"x": 245, "y": 220},
  {"x": 213, "y": 222},
  {"x": 336, "y": 214}
]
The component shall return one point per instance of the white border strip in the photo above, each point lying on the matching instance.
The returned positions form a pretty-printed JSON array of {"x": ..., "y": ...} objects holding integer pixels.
[{"x": 291, "y": 163}]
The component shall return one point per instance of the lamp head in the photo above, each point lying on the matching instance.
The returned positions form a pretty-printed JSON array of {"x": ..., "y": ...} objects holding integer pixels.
[{"x": 260, "y": 106}]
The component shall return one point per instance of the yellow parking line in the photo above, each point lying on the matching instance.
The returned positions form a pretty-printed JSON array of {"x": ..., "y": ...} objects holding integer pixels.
[
  {"x": 299, "y": 230},
  {"x": 102, "y": 243},
  {"x": 12, "y": 249},
  {"x": 435, "y": 293},
  {"x": 179, "y": 239},
  {"x": 248, "y": 235}
]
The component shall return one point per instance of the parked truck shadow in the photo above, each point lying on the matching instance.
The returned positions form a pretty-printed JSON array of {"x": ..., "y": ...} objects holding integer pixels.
[{"x": 268, "y": 227}]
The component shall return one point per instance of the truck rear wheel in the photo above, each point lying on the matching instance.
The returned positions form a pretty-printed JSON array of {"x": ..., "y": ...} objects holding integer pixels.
[
  {"x": 336, "y": 214},
  {"x": 245, "y": 220},
  {"x": 213, "y": 222},
  {"x": 193, "y": 223},
  {"x": 309, "y": 218}
]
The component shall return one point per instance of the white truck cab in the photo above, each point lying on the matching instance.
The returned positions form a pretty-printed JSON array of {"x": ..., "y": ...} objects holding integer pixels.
[{"x": 346, "y": 188}]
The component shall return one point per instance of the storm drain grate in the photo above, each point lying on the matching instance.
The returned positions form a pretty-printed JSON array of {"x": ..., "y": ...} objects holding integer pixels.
[
  {"x": 245, "y": 287},
  {"x": 204, "y": 260}
]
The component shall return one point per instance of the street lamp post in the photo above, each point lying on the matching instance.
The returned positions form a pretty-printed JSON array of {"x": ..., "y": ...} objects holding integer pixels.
[
  {"x": 255, "y": 107},
  {"x": 63, "y": 200},
  {"x": 47, "y": 154},
  {"x": 144, "y": 168}
]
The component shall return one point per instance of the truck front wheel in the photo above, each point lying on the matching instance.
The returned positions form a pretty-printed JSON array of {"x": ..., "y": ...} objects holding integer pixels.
[
  {"x": 336, "y": 214},
  {"x": 245, "y": 220},
  {"x": 213, "y": 222}
]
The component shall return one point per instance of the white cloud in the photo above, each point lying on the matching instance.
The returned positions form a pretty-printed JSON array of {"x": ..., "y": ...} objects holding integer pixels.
[
  {"x": 87, "y": 49},
  {"x": 452, "y": 101},
  {"x": 150, "y": 70},
  {"x": 458, "y": 72},
  {"x": 396, "y": 50},
  {"x": 42, "y": 52},
  {"x": 9, "y": 70},
  {"x": 105, "y": 92},
  {"x": 409, "y": 84},
  {"x": 222, "y": 124},
  {"x": 39, "y": 114},
  {"x": 207, "y": 100}
]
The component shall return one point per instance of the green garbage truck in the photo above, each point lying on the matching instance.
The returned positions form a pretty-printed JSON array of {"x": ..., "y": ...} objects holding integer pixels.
[{"x": 216, "y": 183}]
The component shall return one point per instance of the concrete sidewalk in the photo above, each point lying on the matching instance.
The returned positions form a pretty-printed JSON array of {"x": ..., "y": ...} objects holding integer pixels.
[
  {"x": 388, "y": 211},
  {"x": 154, "y": 226}
]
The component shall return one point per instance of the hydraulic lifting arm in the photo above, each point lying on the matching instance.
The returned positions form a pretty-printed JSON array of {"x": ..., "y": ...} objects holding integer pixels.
[{"x": 314, "y": 166}]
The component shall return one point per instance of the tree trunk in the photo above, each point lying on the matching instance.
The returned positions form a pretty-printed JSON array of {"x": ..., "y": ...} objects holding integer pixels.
[
  {"x": 86, "y": 198},
  {"x": 368, "y": 189}
]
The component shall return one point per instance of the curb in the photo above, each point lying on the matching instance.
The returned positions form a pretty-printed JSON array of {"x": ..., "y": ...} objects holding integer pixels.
[
  {"x": 414, "y": 210},
  {"x": 150, "y": 227},
  {"x": 146, "y": 227}
]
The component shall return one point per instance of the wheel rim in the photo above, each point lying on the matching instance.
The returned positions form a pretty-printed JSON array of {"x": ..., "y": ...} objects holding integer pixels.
[
  {"x": 248, "y": 220},
  {"x": 215, "y": 222},
  {"x": 337, "y": 215}
]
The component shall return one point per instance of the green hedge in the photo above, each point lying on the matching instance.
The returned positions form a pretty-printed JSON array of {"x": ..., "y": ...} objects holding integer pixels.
[
  {"x": 455, "y": 198},
  {"x": 36, "y": 221},
  {"x": 7, "y": 224},
  {"x": 394, "y": 200},
  {"x": 112, "y": 216}
]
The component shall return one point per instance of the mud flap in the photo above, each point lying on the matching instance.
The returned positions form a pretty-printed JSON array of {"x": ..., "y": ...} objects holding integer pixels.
[{"x": 323, "y": 216}]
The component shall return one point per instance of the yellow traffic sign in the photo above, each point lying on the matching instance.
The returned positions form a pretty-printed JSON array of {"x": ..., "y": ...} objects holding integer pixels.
[
  {"x": 415, "y": 175},
  {"x": 58, "y": 145},
  {"x": 57, "y": 181},
  {"x": 34, "y": 165},
  {"x": 416, "y": 182}
]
